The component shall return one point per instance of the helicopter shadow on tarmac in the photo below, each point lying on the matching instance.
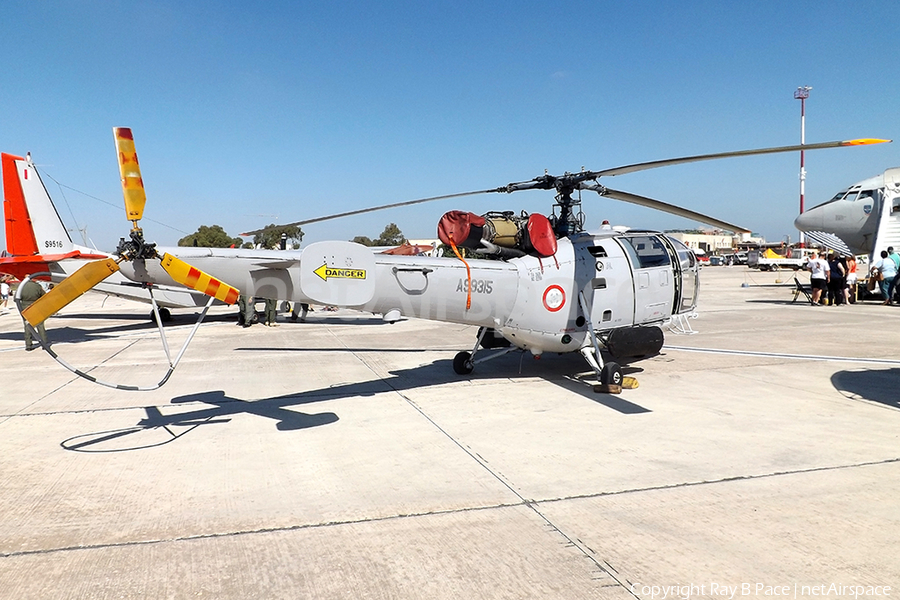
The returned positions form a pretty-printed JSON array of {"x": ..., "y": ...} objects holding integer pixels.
[
  {"x": 557, "y": 370},
  {"x": 158, "y": 429},
  {"x": 873, "y": 385}
]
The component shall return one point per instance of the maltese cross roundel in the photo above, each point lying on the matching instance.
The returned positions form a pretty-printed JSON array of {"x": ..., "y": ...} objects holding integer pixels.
[{"x": 554, "y": 298}]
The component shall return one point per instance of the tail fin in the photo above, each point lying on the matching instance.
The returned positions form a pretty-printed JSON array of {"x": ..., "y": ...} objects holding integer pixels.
[
  {"x": 19, "y": 236},
  {"x": 32, "y": 224}
]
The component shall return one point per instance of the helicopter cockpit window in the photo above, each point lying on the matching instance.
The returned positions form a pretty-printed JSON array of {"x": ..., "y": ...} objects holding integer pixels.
[
  {"x": 686, "y": 256},
  {"x": 647, "y": 251}
]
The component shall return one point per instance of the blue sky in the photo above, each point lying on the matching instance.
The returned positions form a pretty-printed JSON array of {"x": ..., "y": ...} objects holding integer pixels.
[{"x": 251, "y": 113}]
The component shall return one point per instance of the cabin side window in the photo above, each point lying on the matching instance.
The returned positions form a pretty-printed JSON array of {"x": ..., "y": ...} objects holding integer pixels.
[{"x": 646, "y": 251}]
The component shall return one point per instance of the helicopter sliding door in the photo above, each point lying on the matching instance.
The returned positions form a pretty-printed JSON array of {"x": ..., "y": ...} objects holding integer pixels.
[
  {"x": 654, "y": 287},
  {"x": 603, "y": 262},
  {"x": 687, "y": 275}
]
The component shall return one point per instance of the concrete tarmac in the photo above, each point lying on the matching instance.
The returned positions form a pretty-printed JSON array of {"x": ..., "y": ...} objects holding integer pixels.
[{"x": 343, "y": 458}]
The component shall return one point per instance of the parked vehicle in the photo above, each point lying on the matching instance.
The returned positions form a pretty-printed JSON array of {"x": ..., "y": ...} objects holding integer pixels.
[{"x": 769, "y": 260}]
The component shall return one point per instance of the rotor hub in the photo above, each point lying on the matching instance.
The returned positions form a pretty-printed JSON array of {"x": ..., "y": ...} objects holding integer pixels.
[{"x": 136, "y": 247}]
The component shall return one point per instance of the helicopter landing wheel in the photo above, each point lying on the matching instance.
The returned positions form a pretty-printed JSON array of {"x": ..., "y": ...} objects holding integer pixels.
[
  {"x": 611, "y": 374},
  {"x": 462, "y": 363},
  {"x": 164, "y": 314}
]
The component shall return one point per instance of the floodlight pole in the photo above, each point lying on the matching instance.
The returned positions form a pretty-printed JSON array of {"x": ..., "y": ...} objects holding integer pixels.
[{"x": 802, "y": 94}]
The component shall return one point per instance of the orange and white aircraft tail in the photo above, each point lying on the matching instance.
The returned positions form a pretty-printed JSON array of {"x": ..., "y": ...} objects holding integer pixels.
[{"x": 35, "y": 234}]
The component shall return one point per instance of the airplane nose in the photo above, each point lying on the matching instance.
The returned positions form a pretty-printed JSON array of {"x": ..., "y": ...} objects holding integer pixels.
[{"x": 811, "y": 220}]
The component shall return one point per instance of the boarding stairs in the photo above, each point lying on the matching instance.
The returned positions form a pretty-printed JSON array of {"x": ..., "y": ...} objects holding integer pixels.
[{"x": 888, "y": 234}]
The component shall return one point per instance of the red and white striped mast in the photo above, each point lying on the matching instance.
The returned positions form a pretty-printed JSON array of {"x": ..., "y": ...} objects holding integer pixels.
[{"x": 802, "y": 94}]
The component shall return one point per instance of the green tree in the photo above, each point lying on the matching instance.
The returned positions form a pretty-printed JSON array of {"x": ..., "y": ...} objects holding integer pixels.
[
  {"x": 210, "y": 237},
  {"x": 365, "y": 241},
  {"x": 270, "y": 236},
  {"x": 391, "y": 236}
]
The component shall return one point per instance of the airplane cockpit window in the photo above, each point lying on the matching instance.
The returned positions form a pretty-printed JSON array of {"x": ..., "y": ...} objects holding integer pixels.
[
  {"x": 845, "y": 194},
  {"x": 646, "y": 251},
  {"x": 871, "y": 195}
]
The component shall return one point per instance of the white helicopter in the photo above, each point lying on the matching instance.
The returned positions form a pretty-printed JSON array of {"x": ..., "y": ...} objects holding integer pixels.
[
  {"x": 546, "y": 285},
  {"x": 865, "y": 216}
]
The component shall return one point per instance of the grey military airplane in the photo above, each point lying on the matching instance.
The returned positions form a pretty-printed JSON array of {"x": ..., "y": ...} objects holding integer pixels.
[
  {"x": 865, "y": 216},
  {"x": 538, "y": 284}
]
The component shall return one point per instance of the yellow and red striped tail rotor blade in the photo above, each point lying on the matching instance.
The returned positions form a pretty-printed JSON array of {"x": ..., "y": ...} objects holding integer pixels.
[
  {"x": 196, "y": 279},
  {"x": 69, "y": 289},
  {"x": 130, "y": 171}
]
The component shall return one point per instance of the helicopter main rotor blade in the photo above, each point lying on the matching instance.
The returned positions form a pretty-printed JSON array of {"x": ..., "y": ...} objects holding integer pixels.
[
  {"x": 135, "y": 198},
  {"x": 373, "y": 209},
  {"x": 196, "y": 279},
  {"x": 663, "y": 206},
  {"x": 130, "y": 172},
  {"x": 69, "y": 289},
  {"x": 688, "y": 159}
]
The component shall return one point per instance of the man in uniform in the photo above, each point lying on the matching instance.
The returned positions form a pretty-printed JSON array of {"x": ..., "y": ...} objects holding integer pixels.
[
  {"x": 31, "y": 291},
  {"x": 246, "y": 310}
]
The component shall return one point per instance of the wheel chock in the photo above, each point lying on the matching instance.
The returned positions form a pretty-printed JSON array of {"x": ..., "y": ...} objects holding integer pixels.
[
  {"x": 611, "y": 388},
  {"x": 629, "y": 383}
]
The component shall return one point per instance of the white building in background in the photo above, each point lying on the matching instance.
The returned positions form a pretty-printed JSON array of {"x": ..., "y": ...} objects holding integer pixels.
[{"x": 716, "y": 242}]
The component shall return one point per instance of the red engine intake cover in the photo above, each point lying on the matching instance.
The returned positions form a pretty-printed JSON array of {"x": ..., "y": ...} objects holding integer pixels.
[
  {"x": 459, "y": 225},
  {"x": 540, "y": 232}
]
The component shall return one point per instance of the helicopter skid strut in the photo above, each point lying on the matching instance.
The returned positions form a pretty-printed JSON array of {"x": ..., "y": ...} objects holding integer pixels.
[
  {"x": 464, "y": 362},
  {"x": 609, "y": 375}
]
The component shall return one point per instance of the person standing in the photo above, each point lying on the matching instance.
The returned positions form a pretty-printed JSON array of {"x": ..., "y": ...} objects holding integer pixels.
[
  {"x": 819, "y": 275},
  {"x": 852, "y": 278},
  {"x": 885, "y": 270},
  {"x": 29, "y": 294},
  {"x": 896, "y": 258},
  {"x": 246, "y": 310},
  {"x": 271, "y": 311},
  {"x": 836, "y": 280},
  {"x": 4, "y": 294},
  {"x": 302, "y": 308}
]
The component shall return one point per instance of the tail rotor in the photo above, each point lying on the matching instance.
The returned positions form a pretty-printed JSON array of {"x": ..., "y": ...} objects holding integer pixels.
[{"x": 88, "y": 276}]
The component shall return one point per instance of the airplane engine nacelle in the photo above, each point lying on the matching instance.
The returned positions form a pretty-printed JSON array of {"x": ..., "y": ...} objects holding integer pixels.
[{"x": 631, "y": 342}]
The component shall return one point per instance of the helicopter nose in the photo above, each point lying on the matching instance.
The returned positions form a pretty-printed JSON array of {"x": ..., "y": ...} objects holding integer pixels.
[{"x": 811, "y": 220}]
